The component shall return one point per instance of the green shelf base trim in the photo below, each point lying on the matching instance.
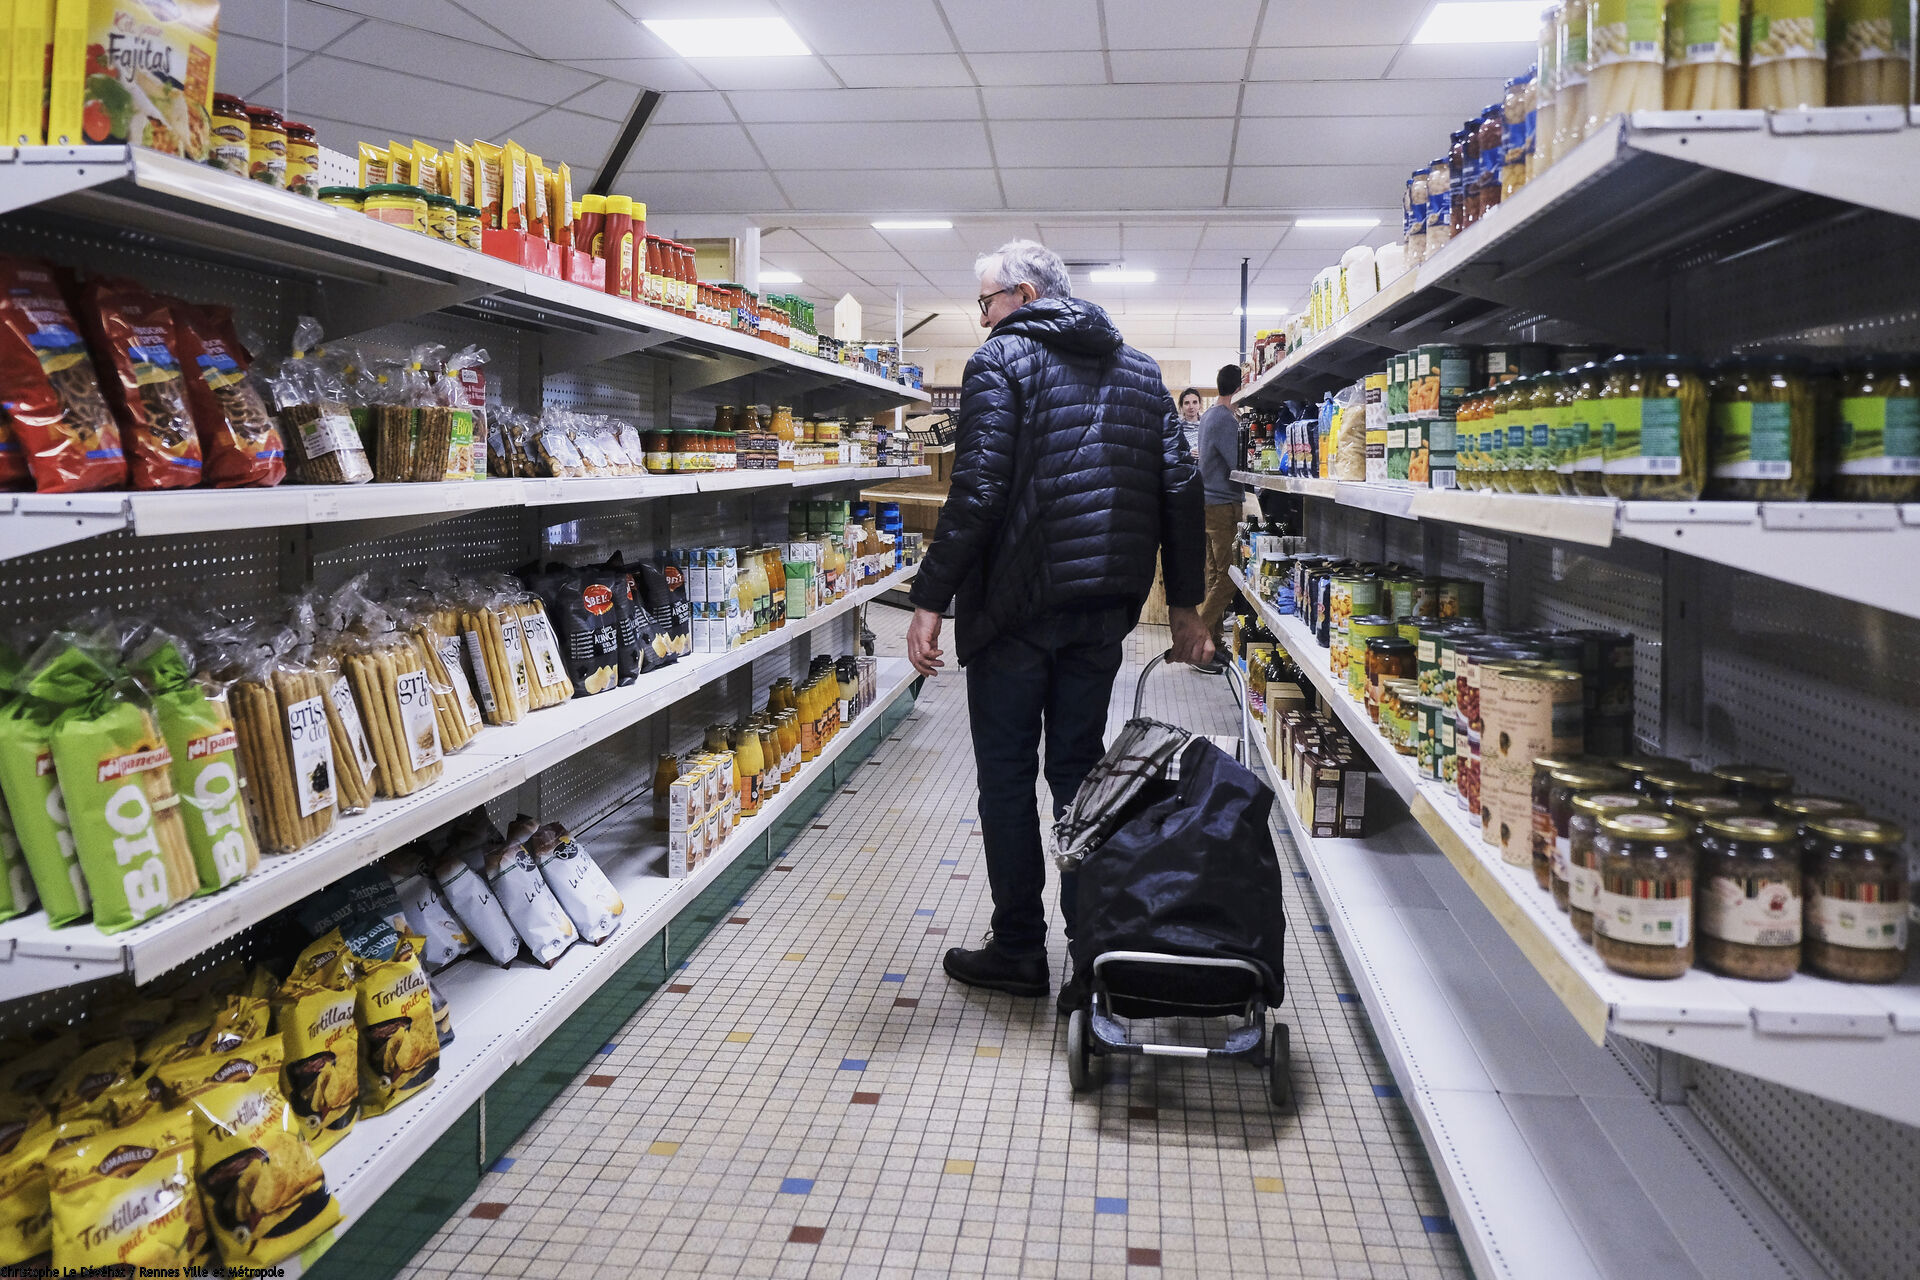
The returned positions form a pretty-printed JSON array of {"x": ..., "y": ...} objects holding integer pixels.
[{"x": 387, "y": 1236}]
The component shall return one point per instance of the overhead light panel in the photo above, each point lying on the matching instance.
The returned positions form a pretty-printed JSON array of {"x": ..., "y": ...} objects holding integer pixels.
[
  {"x": 1482, "y": 22},
  {"x": 1115, "y": 275},
  {"x": 728, "y": 37},
  {"x": 1311, "y": 223},
  {"x": 780, "y": 277},
  {"x": 914, "y": 224}
]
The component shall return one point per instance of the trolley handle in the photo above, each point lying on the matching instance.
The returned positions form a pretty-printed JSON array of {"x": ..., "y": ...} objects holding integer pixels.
[{"x": 1235, "y": 682}]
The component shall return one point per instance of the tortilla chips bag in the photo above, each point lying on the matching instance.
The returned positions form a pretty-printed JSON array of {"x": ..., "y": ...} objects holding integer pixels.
[
  {"x": 314, "y": 1015},
  {"x": 26, "y": 1217},
  {"x": 399, "y": 1046},
  {"x": 32, "y": 1073},
  {"x": 127, "y": 1197},
  {"x": 82, "y": 1081}
]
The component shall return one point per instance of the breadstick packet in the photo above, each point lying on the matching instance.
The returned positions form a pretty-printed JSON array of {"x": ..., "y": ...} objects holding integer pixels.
[
  {"x": 285, "y": 745},
  {"x": 315, "y": 424},
  {"x": 495, "y": 656}
]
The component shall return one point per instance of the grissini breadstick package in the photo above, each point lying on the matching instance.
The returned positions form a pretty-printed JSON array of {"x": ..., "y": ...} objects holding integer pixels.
[
  {"x": 549, "y": 684},
  {"x": 286, "y": 748},
  {"x": 435, "y": 636},
  {"x": 315, "y": 423},
  {"x": 353, "y": 758},
  {"x": 494, "y": 655},
  {"x": 390, "y": 682}
]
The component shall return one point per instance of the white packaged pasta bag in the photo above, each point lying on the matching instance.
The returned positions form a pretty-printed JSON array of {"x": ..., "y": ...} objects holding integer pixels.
[
  {"x": 582, "y": 888},
  {"x": 536, "y": 914},
  {"x": 465, "y": 891}
]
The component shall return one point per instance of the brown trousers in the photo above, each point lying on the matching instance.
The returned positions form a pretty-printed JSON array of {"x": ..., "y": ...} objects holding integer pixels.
[{"x": 1222, "y": 519}]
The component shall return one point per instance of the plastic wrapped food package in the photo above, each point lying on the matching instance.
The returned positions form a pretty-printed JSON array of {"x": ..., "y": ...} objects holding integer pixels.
[
  {"x": 1571, "y": 58},
  {"x": 1546, "y": 94},
  {"x": 315, "y": 425},
  {"x": 397, "y": 702}
]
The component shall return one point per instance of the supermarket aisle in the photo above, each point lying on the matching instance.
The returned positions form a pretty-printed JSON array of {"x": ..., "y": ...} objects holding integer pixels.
[{"x": 814, "y": 1098}]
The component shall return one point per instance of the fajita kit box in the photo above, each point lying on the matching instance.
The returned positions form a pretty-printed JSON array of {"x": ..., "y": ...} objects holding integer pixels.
[{"x": 148, "y": 71}]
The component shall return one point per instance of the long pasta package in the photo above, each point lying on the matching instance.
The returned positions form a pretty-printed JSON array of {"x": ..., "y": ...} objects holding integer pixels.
[
  {"x": 239, "y": 443},
  {"x": 39, "y": 809},
  {"x": 127, "y": 1197},
  {"x": 150, "y": 68},
  {"x": 69, "y": 441}
]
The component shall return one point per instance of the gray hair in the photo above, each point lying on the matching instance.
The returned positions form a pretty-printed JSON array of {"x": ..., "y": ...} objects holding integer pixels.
[{"x": 1019, "y": 262}]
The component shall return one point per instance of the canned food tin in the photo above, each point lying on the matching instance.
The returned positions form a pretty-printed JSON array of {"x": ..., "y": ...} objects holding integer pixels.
[
  {"x": 1461, "y": 598},
  {"x": 1359, "y": 631},
  {"x": 1426, "y": 751}
]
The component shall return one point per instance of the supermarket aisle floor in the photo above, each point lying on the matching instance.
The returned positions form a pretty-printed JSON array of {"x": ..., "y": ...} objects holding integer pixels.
[{"x": 814, "y": 1098}]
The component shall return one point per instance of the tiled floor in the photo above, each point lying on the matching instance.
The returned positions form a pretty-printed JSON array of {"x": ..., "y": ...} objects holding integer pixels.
[{"x": 821, "y": 1101}]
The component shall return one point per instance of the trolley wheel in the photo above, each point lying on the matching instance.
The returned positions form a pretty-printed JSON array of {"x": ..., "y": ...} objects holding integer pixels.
[
  {"x": 1279, "y": 1067},
  {"x": 1079, "y": 1053}
]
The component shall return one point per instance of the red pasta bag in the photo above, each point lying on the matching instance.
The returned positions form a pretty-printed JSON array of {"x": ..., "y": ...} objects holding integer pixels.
[
  {"x": 133, "y": 337},
  {"x": 48, "y": 387},
  {"x": 238, "y": 439},
  {"x": 13, "y": 462}
]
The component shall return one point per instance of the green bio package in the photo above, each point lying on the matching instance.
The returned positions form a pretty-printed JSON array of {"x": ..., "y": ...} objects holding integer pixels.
[{"x": 38, "y": 809}]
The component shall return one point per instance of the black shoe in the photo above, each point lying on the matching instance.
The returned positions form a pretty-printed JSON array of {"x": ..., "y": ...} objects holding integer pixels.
[
  {"x": 1074, "y": 995},
  {"x": 994, "y": 969}
]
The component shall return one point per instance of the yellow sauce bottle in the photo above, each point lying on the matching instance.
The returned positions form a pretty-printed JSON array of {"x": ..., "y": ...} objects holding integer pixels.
[{"x": 749, "y": 768}]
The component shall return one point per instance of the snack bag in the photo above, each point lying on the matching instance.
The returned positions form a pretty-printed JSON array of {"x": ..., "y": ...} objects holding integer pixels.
[
  {"x": 663, "y": 594},
  {"x": 16, "y": 883},
  {"x": 580, "y": 603},
  {"x": 132, "y": 334},
  {"x": 399, "y": 1046},
  {"x": 48, "y": 390},
  {"x": 83, "y": 1079},
  {"x": 265, "y": 1195},
  {"x": 578, "y": 883},
  {"x": 26, "y": 1216},
  {"x": 463, "y": 387},
  {"x": 629, "y": 619},
  {"x": 198, "y": 727},
  {"x": 373, "y": 165},
  {"x": 127, "y": 1197},
  {"x": 31, "y": 1074},
  {"x": 465, "y": 891},
  {"x": 112, "y": 763},
  {"x": 313, "y": 1015},
  {"x": 537, "y": 915},
  {"x": 185, "y": 1037},
  {"x": 443, "y": 938},
  {"x": 315, "y": 426},
  {"x": 150, "y": 74},
  {"x": 242, "y": 1018},
  {"x": 239, "y": 443},
  {"x": 38, "y": 810},
  {"x": 492, "y": 635}
]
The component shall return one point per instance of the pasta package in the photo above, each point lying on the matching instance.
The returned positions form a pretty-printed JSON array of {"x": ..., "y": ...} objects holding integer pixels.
[
  {"x": 578, "y": 883},
  {"x": 399, "y": 1046},
  {"x": 59, "y": 417},
  {"x": 536, "y": 914},
  {"x": 135, "y": 342},
  {"x": 127, "y": 1197},
  {"x": 195, "y": 720},
  {"x": 313, "y": 1016},
  {"x": 113, "y": 767},
  {"x": 239, "y": 443},
  {"x": 150, "y": 74}
]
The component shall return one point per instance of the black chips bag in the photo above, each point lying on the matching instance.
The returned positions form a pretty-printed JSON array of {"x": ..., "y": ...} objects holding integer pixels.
[
  {"x": 663, "y": 597},
  {"x": 580, "y": 603}
]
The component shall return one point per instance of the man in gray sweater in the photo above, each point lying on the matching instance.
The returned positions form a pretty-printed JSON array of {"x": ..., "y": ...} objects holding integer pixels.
[{"x": 1219, "y": 459}]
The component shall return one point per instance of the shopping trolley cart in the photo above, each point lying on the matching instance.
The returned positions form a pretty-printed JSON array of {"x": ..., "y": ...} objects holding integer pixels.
[{"x": 1146, "y": 866}]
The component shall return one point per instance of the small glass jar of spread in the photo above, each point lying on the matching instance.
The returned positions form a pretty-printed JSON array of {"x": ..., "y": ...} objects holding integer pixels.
[
  {"x": 343, "y": 197},
  {"x": 1639, "y": 766},
  {"x": 1540, "y": 793},
  {"x": 1563, "y": 784},
  {"x": 1663, "y": 786},
  {"x": 1856, "y": 889},
  {"x": 1757, "y": 782},
  {"x": 1802, "y": 810},
  {"x": 656, "y": 445},
  {"x": 229, "y": 149},
  {"x": 1388, "y": 658},
  {"x": 303, "y": 160},
  {"x": 1750, "y": 907},
  {"x": 1643, "y": 916},
  {"x": 1583, "y": 872},
  {"x": 442, "y": 222},
  {"x": 1700, "y": 809},
  {"x": 467, "y": 221},
  {"x": 397, "y": 205},
  {"x": 266, "y": 146}
]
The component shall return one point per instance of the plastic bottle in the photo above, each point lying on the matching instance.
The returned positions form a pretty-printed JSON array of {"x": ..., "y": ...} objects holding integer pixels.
[
  {"x": 589, "y": 229},
  {"x": 751, "y": 768},
  {"x": 664, "y": 774},
  {"x": 617, "y": 238}
]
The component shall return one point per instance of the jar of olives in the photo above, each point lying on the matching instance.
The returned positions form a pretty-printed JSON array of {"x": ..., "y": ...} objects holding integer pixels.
[
  {"x": 1563, "y": 784},
  {"x": 1877, "y": 454},
  {"x": 1754, "y": 781},
  {"x": 1764, "y": 419},
  {"x": 1856, "y": 882},
  {"x": 1585, "y": 430},
  {"x": 1663, "y": 786},
  {"x": 1654, "y": 436},
  {"x": 1561, "y": 441},
  {"x": 1750, "y": 907},
  {"x": 1643, "y": 914},
  {"x": 1583, "y": 871},
  {"x": 1500, "y": 459}
]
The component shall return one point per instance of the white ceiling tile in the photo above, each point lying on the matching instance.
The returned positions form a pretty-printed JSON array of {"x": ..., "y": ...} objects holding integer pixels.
[
  {"x": 395, "y": 101},
  {"x": 668, "y": 75},
  {"x": 1292, "y": 23},
  {"x": 1242, "y": 237},
  {"x": 1154, "y": 235},
  {"x": 1392, "y": 140},
  {"x": 810, "y": 105},
  {"x": 1146, "y": 24},
  {"x": 1211, "y": 278},
  {"x": 1493, "y": 62},
  {"x": 765, "y": 73},
  {"x": 677, "y": 147},
  {"x": 308, "y": 26},
  {"x": 862, "y": 262},
  {"x": 1328, "y": 62},
  {"x": 1110, "y": 101},
  {"x": 870, "y": 26},
  {"x": 674, "y": 108},
  {"x": 880, "y": 191},
  {"x": 952, "y": 144},
  {"x": 1039, "y": 68},
  {"x": 901, "y": 70},
  {"x": 1331, "y": 241},
  {"x": 1225, "y": 259},
  {"x": 614, "y": 100},
  {"x": 1329, "y": 188},
  {"x": 429, "y": 15},
  {"x": 1178, "y": 66},
  {"x": 834, "y": 239},
  {"x": 1288, "y": 258},
  {"x": 942, "y": 261},
  {"x": 1082, "y": 239},
  {"x": 999, "y": 26},
  {"x": 558, "y": 135},
  {"x": 437, "y": 57},
  {"x": 585, "y": 29},
  {"x": 244, "y": 65},
  {"x": 1117, "y": 189},
  {"x": 706, "y": 191},
  {"x": 1095, "y": 143},
  {"x": 1288, "y": 98}
]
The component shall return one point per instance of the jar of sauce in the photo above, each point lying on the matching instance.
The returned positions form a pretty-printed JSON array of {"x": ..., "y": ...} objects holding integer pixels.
[
  {"x": 1458, "y": 144},
  {"x": 1643, "y": 917},
  {"x": 617, "y": 237},
  {"x": 230, "y": 149},
  {"x": 1750, "y": 899},
  {"x": 1664, "y": 786},
  {"x": 303, "y": 160},
  {"x": 467, "y": 223},
  {"x": 1856, "y": 885},
  {"x": 1583, "y": 873},
  {"x": 397, "y": 205},
  {"x": 1492, "y": 129},
  {"x": 1756, "y": 782},
  {"x": 1553, "y": 810},
  {"x": 266, "y": 146},
  {"x": 442, "y": 222},
  {"x": 1803, "y": 810},
  {"x": 1439, "y": 204}
]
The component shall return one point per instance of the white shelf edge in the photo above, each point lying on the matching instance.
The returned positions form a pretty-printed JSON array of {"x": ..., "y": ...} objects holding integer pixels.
[{"x": 44, "y": 958}]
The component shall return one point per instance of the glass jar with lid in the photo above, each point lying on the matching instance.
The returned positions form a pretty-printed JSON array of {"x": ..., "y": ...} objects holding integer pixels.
[
  {"x": 1541, "y": 463},
  {"x": 1663, "y": 786},
  {"x": 1516, "y": 105},
  {"x": 1703, "y": 808},
  {"x": 1439, "y": 204},
  {"x": 1764, "y": 420},
  {"x": 1654, "y": 437},
  {"x": 1562, "y": 446},
  {"x": 1540, "y": 830},
  {"x": 1466, "y": 424},
  {"x": 229, "y": 147},
  {"x": 1639, "y": 766},
  {"x": 1803, "y": 810},
  {"x": 1546, "y": 96},
  {"x": 1416, "y": 218},
  {"x": 1856, "y": 888},
  {"x": 1877, "y": 455},
  {"x": 1643, "y": 914},
  {"x": 1492, "y": 128},
  {"x": 1507, "y": 400},
  {"x": 1459, "y": 144},
  {"x": 1573, "y": 779},
  {"x": 1584, "y": 812},
  {"x": 1750, "y": 903},
  {"x": 1586, "y": 429},
  {"x": 1758, "y": 782}
]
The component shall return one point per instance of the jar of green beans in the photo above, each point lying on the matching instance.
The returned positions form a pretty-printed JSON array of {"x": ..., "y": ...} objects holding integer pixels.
[
  {"x": 1765, "y": 420},
  {"x": 1877, "y": 454},
  {"x": 1655, "y": 433}
]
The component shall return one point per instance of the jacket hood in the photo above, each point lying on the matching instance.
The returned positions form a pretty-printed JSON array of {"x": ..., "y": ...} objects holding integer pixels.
[{"x": 1066, "y": 323}]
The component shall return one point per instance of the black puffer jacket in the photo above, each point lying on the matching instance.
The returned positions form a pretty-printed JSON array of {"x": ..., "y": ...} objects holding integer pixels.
[{"x": 1070, "y": 471}]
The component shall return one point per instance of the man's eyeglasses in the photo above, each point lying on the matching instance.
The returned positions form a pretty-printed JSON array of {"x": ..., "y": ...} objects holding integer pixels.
[{"x": 985, "y": 298}]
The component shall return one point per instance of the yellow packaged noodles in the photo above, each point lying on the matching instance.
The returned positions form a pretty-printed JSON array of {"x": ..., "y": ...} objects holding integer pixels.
[
  {"x": 399, "y": 1046},
  {"x": 126, "y": 1197},
  {"x": 314, "y": 1016},
  {"x": 149, "y": 74}
]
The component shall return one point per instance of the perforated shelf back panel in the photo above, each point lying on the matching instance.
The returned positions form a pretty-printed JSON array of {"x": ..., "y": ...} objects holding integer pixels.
[{"x": 239, "y": 570}]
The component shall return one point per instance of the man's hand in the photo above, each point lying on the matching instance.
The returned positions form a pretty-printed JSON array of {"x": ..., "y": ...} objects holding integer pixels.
[
  {"x": 923, "y": 641},
  {"x": 1191, "y": 643}
]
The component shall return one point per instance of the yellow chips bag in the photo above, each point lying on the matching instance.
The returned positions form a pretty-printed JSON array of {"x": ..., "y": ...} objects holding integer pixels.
[
  {"x": 187, "y": 1079},
  {"x": 399, "y": 1047},
  {"x": 33, "y": 1072},
  {"x": 314, "y": 1017},
  {"x": 26, "y": 1219},
  {"x": 78, "y": 1087},
  {"x": 127, "y": 1197},
  {"x": 184, "y": 1037}
]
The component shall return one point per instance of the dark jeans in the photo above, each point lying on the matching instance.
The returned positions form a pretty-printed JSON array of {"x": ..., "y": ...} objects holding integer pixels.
[{"x": 1058, "y": 672}]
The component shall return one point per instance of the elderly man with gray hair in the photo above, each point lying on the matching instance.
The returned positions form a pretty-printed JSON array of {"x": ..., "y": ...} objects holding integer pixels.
[{"x": 1071, "y": 474}]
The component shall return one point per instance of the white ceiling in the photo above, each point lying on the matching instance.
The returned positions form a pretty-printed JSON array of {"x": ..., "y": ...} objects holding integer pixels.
[{"x": 1176, "y": 136}]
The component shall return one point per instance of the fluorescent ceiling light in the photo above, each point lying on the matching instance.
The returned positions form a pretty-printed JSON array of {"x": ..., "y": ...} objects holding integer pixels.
[
  {"x": 728, "y": 37},
  {"x": 1264, "y": 311},
  {"x": 1336, "y": 222},
  {"x": 1115, "y": 275},
  {"x": 779, "y": 277},
  {"x": 914, "y": 224},
  {"x": 1482, "y": 22}
]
